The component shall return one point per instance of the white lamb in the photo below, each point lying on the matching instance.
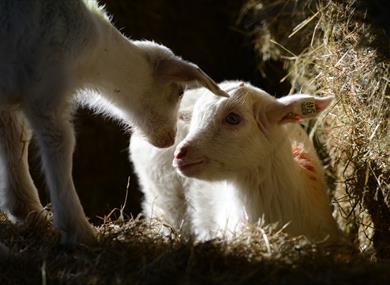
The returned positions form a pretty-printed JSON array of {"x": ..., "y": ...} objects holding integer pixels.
[
  {"x": 242, "y": 158},
  {"x": 49, "y": 52}
]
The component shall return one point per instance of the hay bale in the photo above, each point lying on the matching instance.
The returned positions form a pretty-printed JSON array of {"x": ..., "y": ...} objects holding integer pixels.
[{"x": 340, "y": 48}]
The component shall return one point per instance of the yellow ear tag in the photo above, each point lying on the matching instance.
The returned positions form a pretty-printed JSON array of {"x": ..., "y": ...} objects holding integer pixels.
[{"x": 308, "y": 108}]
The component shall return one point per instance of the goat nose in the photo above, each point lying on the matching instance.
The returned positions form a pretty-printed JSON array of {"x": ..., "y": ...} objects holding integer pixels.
[
  {"x": 181, "y": 152},
  {"x": 167, "y": 140},
  {"x": 171, "y": 138}
]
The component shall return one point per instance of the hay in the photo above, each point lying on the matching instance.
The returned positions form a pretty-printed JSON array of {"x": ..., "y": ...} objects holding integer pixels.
[
  {"x": 134, "y": 252},
  {"x": 340, "y": 48}
]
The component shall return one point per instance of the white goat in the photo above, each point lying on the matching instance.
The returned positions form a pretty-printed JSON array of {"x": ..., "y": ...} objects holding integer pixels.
[
  {"x": 52, "y": 50},
  {"x": 239, "y": 161},
  {"x": 163, "y": 188}
]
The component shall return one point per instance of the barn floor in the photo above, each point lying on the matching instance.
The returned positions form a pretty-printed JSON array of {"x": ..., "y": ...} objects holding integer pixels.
[{"x": 133, "y": 252}]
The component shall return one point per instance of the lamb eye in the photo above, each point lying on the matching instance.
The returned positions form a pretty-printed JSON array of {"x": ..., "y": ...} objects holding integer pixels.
[
  {"x": 180, "y": 93},
  {"x": 233, "y": 119}
]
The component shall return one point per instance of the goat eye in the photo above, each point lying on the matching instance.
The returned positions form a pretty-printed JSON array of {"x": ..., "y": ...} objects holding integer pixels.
[
  {"x": 180, "y": 94},
  {"x": 233, "y": 119}
]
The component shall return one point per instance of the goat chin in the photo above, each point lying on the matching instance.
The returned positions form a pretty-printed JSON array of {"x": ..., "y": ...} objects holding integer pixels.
[{"x": 229, "y": 170}]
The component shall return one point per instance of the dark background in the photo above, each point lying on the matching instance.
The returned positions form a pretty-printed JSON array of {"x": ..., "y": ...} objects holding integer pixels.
[{"x": 204, "y": 32}]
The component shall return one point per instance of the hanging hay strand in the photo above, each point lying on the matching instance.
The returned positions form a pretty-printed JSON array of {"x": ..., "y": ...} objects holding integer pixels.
[{"x": 338, "y": 48}]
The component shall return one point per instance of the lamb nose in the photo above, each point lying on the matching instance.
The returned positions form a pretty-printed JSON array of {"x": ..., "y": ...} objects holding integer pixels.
[{"x": 181, "y": 152}]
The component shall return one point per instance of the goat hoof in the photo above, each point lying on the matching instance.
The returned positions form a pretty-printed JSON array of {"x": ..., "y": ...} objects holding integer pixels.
[{"x": 85, "y": 235}]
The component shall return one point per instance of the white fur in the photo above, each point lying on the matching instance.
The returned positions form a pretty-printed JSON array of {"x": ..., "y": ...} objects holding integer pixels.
[
  {"x": 248, "y": 171},
  {"x": 49, "y": 52}
]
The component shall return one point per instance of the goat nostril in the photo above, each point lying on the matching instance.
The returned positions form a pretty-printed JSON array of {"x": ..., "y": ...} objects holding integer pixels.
[{"x": 181, "y": 152}]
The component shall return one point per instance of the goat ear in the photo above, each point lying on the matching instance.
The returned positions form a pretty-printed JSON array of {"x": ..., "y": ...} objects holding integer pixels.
[
  {"x": 297, "y": 107},
  {"x": 179, "y": 70}
]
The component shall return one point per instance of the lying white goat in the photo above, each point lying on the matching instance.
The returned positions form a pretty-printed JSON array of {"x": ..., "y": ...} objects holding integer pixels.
[
  {"x": 242, "y": 158},
  {"x": 51, "y": 50}
]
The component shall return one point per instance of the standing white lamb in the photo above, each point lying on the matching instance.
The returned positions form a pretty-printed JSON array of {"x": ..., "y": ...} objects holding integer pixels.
[
  {"x": 242, "y": 158},
  {"x": 49, "y": 52}
]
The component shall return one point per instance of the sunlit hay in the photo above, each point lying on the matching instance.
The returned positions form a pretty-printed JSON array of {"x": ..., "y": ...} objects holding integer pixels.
[
  {"x": 334, "y": 48},
  {"x": 140, "y": 230}
]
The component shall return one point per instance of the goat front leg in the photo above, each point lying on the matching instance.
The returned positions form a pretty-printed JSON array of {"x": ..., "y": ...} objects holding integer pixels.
[
  {"x": 54, "y": 133},
  {"x": 18, "y": 195}
]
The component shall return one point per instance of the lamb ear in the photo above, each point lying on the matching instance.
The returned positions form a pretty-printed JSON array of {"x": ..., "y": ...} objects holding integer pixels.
[
  {"x": 297, "y": 107},
  {"x": 179, "y": 70}
]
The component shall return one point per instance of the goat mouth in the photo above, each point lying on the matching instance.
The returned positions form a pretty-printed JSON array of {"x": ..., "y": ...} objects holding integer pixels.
[{"x": 184, "y": 166}]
